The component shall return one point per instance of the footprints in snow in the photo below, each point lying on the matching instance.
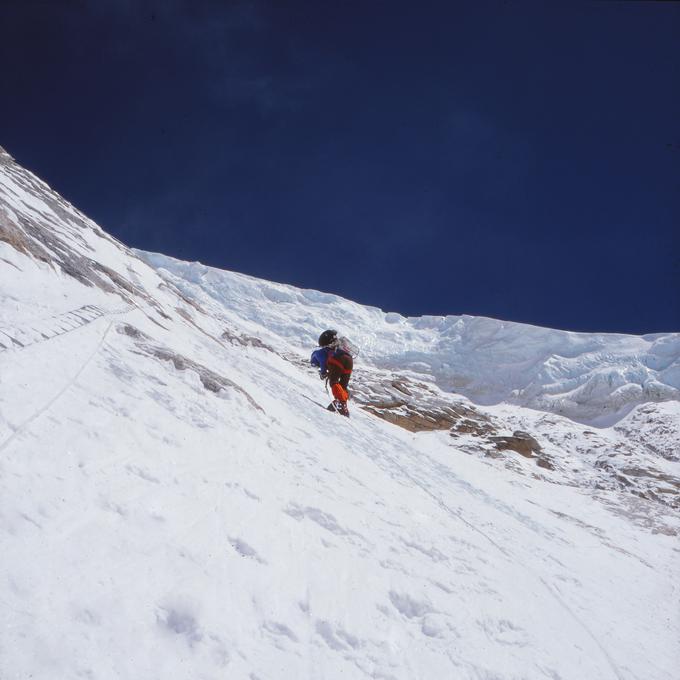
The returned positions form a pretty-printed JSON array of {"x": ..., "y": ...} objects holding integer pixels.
[
  {"x": 142, "y": 474},
  {"x": 238, "y": 487},
  {"x": 408, "y": 606},
  {"x": 323, "y": 519},
  {"x": 435, "y": 624},
  {"x": 245, "y": 550},
  {"x": 180, "y": 621},
  {"x": 336, "y": 637},
  {"x": 279, "y": 630},
  {"x": 419, "y": 613},
  {"x": 504, "y": 632},
  {"x": 432, "y": 624}
]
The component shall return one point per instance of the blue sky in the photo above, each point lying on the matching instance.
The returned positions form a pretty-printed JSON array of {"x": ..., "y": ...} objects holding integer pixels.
[{"x": 514, "y": 160}]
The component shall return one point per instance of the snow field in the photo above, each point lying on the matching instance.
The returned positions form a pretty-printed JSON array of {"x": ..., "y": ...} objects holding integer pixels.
[
  {"x": 158, "y": 529},
  {"x": 174, "y": 504}
]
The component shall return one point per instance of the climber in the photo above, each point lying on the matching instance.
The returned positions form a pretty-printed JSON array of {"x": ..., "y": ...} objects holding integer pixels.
[{"x": 335, "y": 364}]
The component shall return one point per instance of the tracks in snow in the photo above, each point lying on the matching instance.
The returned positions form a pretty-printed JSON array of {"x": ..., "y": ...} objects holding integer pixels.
[
  {"x": 18, "y": 337},
  {"x": 419, "y": 479},
  {"x": 36, "y": 414}
]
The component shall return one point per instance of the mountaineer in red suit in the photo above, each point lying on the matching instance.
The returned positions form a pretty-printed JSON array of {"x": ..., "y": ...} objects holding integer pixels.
[{"x": 335, "y": 364}]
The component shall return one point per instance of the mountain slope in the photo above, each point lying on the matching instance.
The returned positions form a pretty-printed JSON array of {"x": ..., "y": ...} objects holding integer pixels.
[
  {"x": 594, "y": 378},
  {"x": 639, "y": 454},
  {"x": 174, "y": 504}
]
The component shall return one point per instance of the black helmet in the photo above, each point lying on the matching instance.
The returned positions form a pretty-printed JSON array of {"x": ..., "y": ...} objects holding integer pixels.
[{"x": 327, "y": 338}]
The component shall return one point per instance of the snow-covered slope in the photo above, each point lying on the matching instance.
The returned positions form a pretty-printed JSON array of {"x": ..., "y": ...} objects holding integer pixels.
[
  {"x": 639, "y": 453},
  {"x": 176, "y": 503},
  {"x": 590, "y": 377}
]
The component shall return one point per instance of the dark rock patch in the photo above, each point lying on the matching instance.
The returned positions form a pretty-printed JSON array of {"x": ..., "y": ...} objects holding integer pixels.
[{"x": 520, "y": 442}]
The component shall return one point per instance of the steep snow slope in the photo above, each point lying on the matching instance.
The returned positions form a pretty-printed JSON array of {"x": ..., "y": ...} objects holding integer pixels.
[
  {"x": 590, "y": 377},
  {"x": 174, "y": 505},
  {"x": 640, "y": 454}
]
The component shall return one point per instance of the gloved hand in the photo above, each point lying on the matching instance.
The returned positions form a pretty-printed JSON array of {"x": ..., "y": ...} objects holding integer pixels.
[{"x": 323, "y": 374}]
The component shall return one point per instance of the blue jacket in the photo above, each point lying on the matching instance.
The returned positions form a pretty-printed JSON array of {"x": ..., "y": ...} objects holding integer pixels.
[{"x": 320, "y": 359}]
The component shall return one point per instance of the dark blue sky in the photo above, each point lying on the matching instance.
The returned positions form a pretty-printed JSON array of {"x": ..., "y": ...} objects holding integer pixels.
[{"x": 514, "y": 160}]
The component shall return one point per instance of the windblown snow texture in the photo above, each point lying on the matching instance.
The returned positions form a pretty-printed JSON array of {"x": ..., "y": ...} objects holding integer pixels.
[{"x": 173, "y": 505}]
